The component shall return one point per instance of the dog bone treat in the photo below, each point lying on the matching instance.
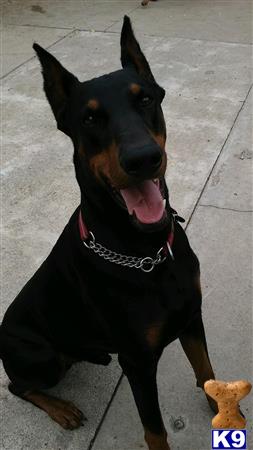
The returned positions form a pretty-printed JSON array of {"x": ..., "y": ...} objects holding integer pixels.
[{"x": 228, "y": 395}]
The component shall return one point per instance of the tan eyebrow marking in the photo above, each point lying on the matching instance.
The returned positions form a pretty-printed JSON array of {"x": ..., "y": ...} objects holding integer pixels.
[
  {"x": 93, "y": 104},
  {"x": 135, "y": 88}
]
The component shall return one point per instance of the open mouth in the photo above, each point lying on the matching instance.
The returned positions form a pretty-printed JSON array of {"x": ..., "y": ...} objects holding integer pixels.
[{"x": 144, "y": 202}]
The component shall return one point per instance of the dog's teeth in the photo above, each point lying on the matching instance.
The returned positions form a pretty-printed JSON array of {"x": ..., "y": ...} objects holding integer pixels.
[
  {"x": 155, "y": 180},
  {"x": 164, "y": 202}
]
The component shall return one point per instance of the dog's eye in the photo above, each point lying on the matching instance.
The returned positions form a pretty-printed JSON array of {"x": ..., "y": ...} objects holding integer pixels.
[
  {"x": 145, "y": 100},
  {"x": 89, "y": 119}
]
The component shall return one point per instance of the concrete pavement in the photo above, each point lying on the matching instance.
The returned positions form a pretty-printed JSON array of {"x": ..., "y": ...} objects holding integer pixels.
[{"x": 200, "y": 51}]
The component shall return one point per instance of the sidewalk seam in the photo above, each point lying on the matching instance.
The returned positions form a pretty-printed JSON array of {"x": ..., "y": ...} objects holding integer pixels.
[
  {"x": 163, "y": 36},
  {"x": 37, "y": 26},
  {"x": 120, "y": 20},
  {"x": 226, "y": 209},
  {"x": 217, "y": 158},
  {"x": 92, "y": 442},
  {"x": 33, "y": 57}
]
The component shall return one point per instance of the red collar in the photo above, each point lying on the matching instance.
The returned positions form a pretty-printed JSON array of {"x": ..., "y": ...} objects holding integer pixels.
[{"x": 84, "y": 233}]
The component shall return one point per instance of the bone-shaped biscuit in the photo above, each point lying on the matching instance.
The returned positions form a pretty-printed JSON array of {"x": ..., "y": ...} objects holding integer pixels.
[{"x": 227, "y": 395}]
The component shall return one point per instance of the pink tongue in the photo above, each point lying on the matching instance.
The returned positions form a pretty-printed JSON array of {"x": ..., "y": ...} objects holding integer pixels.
[{"x": 145, "y": 200}]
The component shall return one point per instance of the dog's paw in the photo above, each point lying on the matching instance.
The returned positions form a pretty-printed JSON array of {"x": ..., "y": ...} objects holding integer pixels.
[{"x": 66, "y": 414}]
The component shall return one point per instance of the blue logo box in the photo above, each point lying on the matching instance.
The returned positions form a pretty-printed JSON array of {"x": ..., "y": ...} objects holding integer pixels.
[{"x": 227, "y": 439}]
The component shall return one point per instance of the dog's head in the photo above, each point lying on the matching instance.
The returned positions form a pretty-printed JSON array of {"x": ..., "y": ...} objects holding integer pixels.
[{"x": 117, "y": 127}]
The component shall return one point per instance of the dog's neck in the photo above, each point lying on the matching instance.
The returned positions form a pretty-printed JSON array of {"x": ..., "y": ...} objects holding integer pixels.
[{"x": 113, "y": 227}]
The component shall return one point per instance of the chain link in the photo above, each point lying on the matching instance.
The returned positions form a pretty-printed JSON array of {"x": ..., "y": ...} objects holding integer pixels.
[{"x": 146, "y": 264}]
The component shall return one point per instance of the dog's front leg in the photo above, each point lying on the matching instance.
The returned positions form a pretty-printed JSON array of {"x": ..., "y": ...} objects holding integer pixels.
[{"x": 144, "y": 388}]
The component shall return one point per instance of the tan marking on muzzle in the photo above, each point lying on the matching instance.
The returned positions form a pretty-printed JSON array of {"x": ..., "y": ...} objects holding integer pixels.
[
  {"x": 106, "y": 165},
  {"x": 160, "y": 139}
]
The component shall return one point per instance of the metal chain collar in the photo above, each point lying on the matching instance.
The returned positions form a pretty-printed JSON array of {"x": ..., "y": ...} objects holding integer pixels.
[{"x": 146, "y": 264}]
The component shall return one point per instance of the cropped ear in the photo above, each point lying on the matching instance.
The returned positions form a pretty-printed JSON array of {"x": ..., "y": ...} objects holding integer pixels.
[
  {"x": 131, "y": 54},
  {"x": 58, "y": 83}
]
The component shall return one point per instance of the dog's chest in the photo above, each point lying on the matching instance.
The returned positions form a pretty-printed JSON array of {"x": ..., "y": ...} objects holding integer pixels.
[{"x": 148, "y": 312}]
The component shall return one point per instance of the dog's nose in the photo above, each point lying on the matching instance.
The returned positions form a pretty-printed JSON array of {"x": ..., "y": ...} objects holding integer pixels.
[{"x": 141, "y": 161}]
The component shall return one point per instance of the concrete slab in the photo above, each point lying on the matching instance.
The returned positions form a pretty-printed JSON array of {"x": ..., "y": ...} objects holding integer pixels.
[
  {"x": 196, "y": 129},
  {"x": 197, "y": 68},
  {"x": 231, "y": 183},
  {"x": 85, "y": 15},
  {"x": 13, "y": 54},
  {"x": 217, "y": 20}
]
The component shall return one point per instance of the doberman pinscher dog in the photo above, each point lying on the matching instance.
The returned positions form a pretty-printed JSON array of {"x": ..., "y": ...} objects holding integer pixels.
[{"x": 122, "y": 277}]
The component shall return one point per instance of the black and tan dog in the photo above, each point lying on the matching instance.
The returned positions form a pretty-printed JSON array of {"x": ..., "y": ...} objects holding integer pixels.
[{"x": 122, "y": 277}]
